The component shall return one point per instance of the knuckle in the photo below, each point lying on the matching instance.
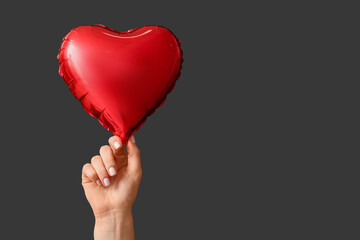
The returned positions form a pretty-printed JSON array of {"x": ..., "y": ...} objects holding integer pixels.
[
  {"x": 111, "y": 139},
  {"x": 85, "y": 167},
  {"x": 87, "y": 170},
  {"x": 95, "y": 159},
  {"x": 104, "y": 148}
]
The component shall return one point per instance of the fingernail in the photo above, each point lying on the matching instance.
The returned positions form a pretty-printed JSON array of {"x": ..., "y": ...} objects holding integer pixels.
[
  {"x": 112, "y": 171},
  {"x": 132, "y": 139},
  {"x": 117, "y": 144},
  {"x": 98, "y": 182},
  {"x": 106, "y": 182}
]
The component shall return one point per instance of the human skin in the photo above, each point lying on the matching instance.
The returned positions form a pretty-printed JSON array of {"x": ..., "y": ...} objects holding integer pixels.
[{"x": 111, "y": 182}]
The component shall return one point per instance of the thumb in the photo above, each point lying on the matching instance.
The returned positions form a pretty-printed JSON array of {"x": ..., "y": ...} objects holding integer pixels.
[{"x": 134, "y": 164}]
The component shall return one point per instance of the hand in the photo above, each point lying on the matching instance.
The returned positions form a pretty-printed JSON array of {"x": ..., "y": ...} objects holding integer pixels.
[{"x": 111, "y": 184}]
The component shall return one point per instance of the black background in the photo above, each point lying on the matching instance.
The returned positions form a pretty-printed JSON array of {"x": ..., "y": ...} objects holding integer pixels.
[{"x": 257, "y": 141}]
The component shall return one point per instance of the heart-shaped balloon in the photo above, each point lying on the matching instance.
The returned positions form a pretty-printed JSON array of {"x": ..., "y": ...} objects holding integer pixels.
[{"x": 120, "y": 77}]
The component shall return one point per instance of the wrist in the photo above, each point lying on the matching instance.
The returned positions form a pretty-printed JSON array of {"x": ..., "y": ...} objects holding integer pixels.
[{"x": 113, "y": 224}]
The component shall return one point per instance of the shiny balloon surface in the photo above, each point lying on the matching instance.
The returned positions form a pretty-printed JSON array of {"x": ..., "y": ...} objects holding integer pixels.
[{"x": 120, "y": 77}]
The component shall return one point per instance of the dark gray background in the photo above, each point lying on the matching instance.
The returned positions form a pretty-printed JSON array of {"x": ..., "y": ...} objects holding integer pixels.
[{"x": 257, "y": 141}]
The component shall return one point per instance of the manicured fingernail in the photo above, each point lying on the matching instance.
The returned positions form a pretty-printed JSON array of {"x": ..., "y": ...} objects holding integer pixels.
[
  {"x": 98, "y": 182},
  {"x": 106, "y": 182},
  {"x": 112, "y": 171},
  {"x": 117, "y": 144},
  {"x": 132, "y": 139}
]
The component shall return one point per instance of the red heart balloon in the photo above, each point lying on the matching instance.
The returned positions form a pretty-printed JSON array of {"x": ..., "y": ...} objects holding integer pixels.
[{"x": 120, "y": 77}]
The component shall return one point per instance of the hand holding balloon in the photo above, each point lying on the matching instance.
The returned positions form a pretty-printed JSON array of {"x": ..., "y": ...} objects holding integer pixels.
[{"x": 111, "y": 183}]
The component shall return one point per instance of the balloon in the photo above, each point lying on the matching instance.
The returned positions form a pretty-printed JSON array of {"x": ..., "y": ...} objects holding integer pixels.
[{"x": 120, "y": 77}]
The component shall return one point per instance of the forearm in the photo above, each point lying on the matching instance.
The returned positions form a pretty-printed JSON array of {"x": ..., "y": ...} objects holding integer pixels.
[{"x": 114, "y": 225}]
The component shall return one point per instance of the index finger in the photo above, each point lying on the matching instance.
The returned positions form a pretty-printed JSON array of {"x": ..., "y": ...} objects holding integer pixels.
[{"x": 117, "y": 146}]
